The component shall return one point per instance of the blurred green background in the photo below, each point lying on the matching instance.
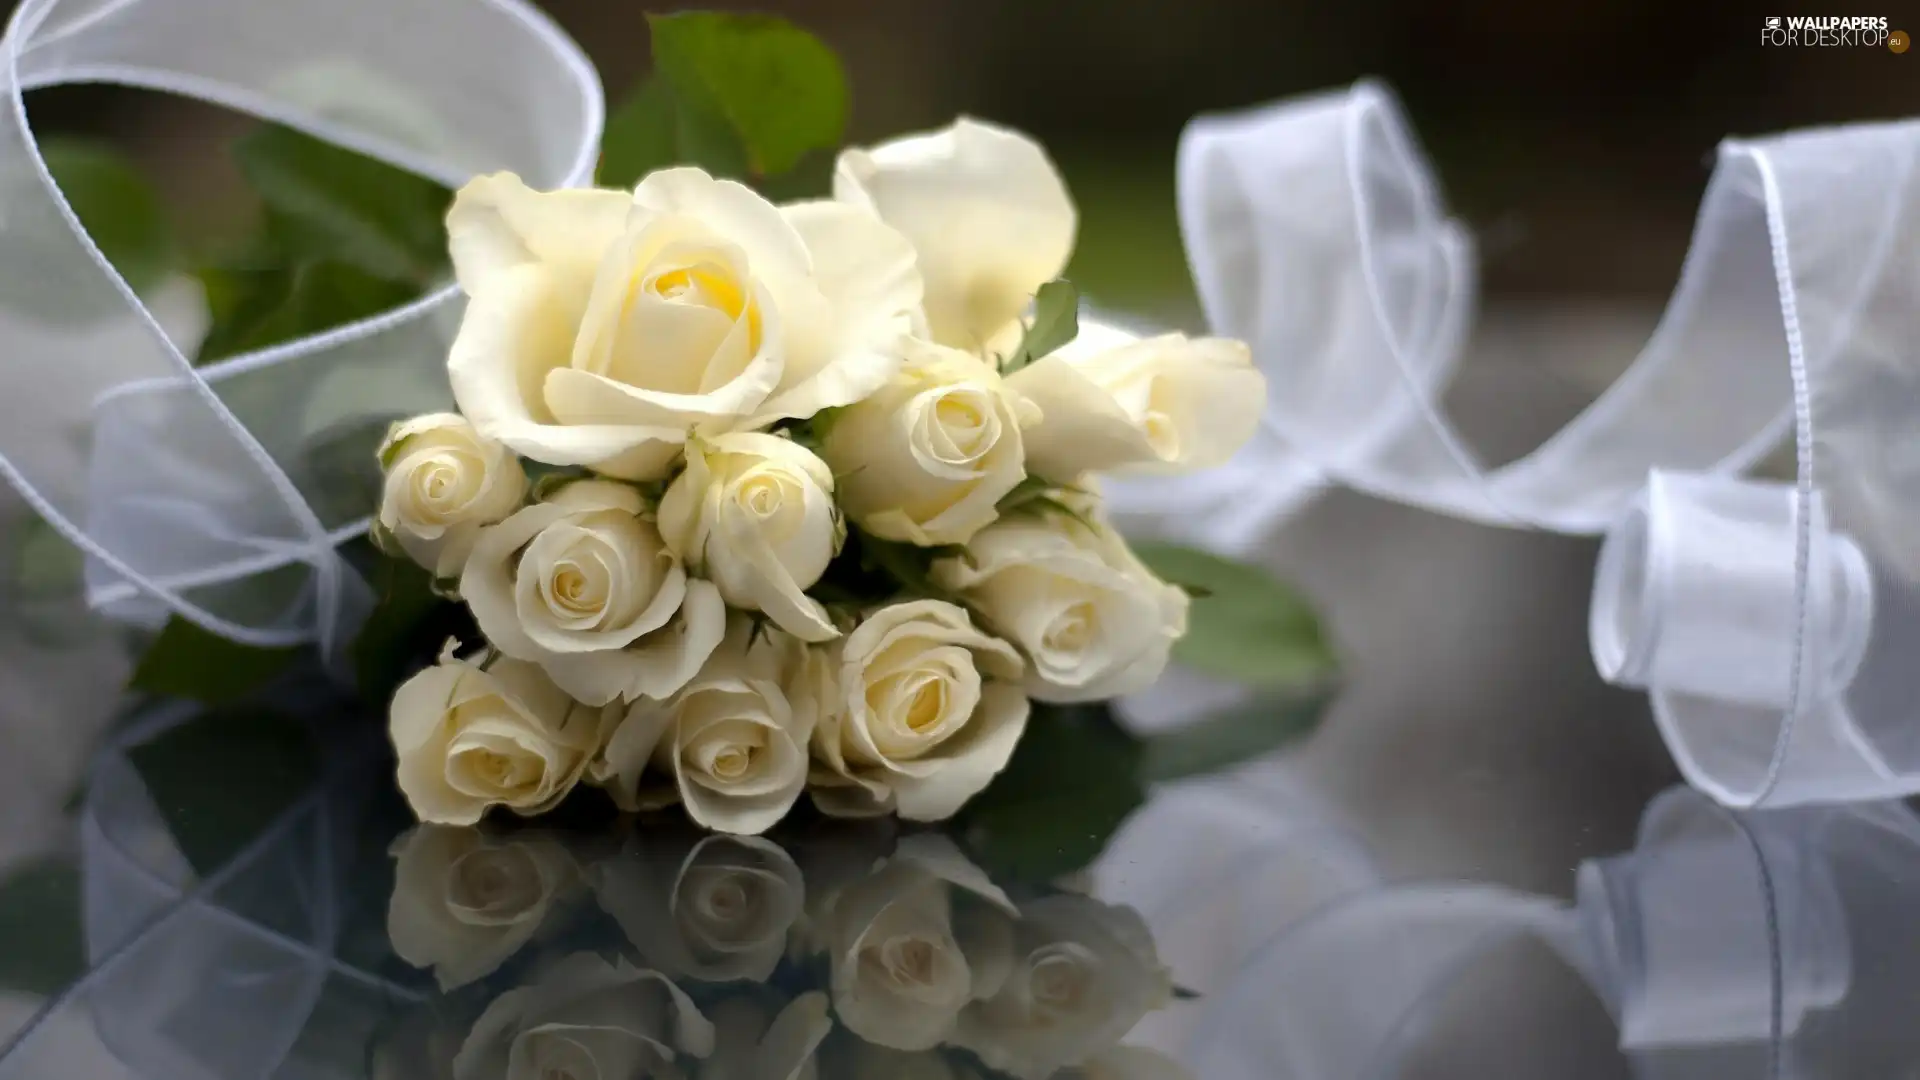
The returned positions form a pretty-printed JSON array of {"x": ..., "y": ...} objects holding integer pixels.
[{"x": 1575, "y": 137}]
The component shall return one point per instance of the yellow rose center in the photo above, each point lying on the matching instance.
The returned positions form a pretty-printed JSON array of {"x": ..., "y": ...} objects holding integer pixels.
[
  {"x": 443, "y": 484},
  {"x": 929, "y": 704},
  {"x": 959, "y": 424},
  {"x": 1072, "y": 630},
  {"x": 705, "y": 284},
  {"x": 727, "y": 751}
]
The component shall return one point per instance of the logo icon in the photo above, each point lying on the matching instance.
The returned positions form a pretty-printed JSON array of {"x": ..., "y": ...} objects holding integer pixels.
[
  {"x": 1898, "y": 41},
  {"x": 1773, "y": 22}
]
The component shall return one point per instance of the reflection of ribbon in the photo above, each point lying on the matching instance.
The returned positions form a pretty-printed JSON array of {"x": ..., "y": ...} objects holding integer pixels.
[
  {"x": 199, "y": 977},
  {"x": 1723, "y": 941},
  {"x": 225, "y": 440},
  {"x": 1317, "y": 233}
]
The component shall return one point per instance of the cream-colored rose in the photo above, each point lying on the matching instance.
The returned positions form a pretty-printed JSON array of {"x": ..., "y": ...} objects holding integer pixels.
[
  {"x": 729, "y": 745},
  {"x": 584, "y": 585},
  {"x": 900, "y": 972},
  {"x": 930, "y": 709},
  {"x": 987, "y": 213},
  {"x": 587, "y": 1018},
  {"x": 1085, "y": 973},
  {"x": 469, "y": 739},
  {"x": 928, "y": 457},
  {"x": 754, "y": 513},
  {"x": 602, "y": 328},
  {"x": 1093, "y": 622},
  {"x": 464, "y": 902},
  {"x": 443, "y": 482},
  {"x": 717, "y": 913},
  {"x": 1166, "y": 404},
  {"x": 761, "y": 1038}
]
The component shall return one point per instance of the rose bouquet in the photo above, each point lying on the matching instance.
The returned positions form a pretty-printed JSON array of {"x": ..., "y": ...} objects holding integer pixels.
[
  {"x": 816, "y": 503},
  {"x": 758, "y": 484}
]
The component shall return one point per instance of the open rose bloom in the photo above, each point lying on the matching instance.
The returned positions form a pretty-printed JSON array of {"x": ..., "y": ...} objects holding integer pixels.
[{"x": 814, "y": 504}]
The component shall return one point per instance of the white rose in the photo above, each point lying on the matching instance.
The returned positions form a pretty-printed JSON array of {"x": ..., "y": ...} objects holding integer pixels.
[
  {"x": 1166, "y": 404},
  {"x": 601, "y": 328},
  {"x": 759, "y": 1038},
  {"x": 1093, "y": 621},
  {"x": 584, "y": 585},
  {"x": 900, "y": 973},
  {"x": 469, "y": 739},
  {"x": 1085, "y": 973},
  {"x": 722, "y": 912},
  {"x": 930, "y": 710},
  {"x": 754, "y": 512},
  {"x": 729, "y": 745},
  {"x": 464, "y": 902},
  {"x": 928, "y": 457},
  {"x": 443, "y": 482},
  {"x": 985, "y": 210},
  {"x": 585, "y": 1018}
]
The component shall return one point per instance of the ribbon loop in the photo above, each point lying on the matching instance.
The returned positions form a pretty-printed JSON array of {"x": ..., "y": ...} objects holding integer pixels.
[{"x": 198, "y": 491}]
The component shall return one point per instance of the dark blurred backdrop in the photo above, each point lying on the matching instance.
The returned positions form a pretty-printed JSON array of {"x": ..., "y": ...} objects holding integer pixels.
[{"x": 1574, "y": 135}]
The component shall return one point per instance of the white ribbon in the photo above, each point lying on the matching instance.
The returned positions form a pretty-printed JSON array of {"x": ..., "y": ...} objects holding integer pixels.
[
  {"x": 1769, "y": 621},
  {"x": 189, "y": 487},
  {"x": 1721, "y": 940}
]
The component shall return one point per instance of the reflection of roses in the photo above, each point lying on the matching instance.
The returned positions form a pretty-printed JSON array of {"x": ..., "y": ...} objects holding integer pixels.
[
  {"x": 1126, "y": 1063},
  {"x": 1084, "y": 973},
  {"x": 464, "y": 902},
  {"x": 761, "y": 1039},
  {"x": 900, "y": 971},
  {"x": 723, "y": 913},
  {"x": 857, "y": 1059},
  {"x": 586, "y": 1018}
]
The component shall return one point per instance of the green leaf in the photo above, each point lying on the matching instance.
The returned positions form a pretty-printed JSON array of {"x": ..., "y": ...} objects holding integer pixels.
[
  {"x": 42, "y": 945},
  {"x": 779, "y": 90},
  {"x": 391, "y": 639},
  {"x": 221, "y": 778},
  {"x": 1231, "y": 737},
  {"x": 1056, "y": 321},
  {"x": 186, "y": 661},
  {"x": 116, "y": 204},
  {"x": 1073, "y": 779},
  {"x": 258, "y": 304},
  {"x": 1243, "y": 624},
  {"x": 641, "y": 135},
  {"x": 339, "y": 467},
  {"x": 46, "y": 586},
  {"x": 325, "y": 202}
]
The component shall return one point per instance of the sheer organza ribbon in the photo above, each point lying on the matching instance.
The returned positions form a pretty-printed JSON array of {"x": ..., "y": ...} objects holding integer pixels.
[
  {"x": 1769, "y": 621},
  {"x": 1725, "y": 944},
  {"x": 198, "y": 490}
]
